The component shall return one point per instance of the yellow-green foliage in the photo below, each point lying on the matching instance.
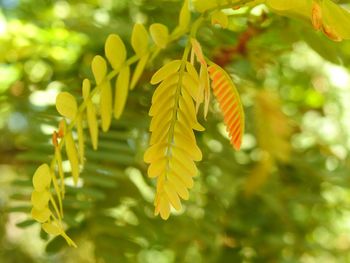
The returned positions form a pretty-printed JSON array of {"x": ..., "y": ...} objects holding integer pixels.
[{"x": 183, "y": 86}]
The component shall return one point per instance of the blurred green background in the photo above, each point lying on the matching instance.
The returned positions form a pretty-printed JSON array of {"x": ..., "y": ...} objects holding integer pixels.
[{"x": 283, "y": 198}]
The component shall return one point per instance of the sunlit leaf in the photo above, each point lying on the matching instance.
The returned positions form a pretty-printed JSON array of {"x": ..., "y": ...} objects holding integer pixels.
[
  {"x": 42, "y": 178},
  {"x": 121, "y": 93},
  {"x": 99, "y": 68},
  {"x": 66, "y": 105},
  {"x": 115, "y": 52},
  {"x": 139, "y": 40},
  {"x": 159, "y": 34}
]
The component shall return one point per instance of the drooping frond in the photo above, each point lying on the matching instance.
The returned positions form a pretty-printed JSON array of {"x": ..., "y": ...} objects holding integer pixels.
[
  {"x": 230, "y": 104},
  {"x": 94, "y": 112},
  {"x": 173, "y": 147}
]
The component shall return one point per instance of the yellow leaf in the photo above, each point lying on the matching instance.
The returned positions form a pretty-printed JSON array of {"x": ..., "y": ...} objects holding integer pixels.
[
  {"x": 72, "y": 155},
  {"x": 205, "y": 87},
  {"x": 121, "y": 93},
  {"x": 173, "y": 148},
  {"x": 91, "y": 114},
  {"x": 191, "y": 86},
  {"x": 115, "y": 51},
  {"x": 42, "y": 178},
  {"x": 99, "y": 68},
  {"x": 52, "y": 228},
  {"x": 165, "y": 71},
  {"x": 336, "y": 19},
  {"x": 203, "y": 5},
  {"x": 220, "y": 18},
  {"x": 40, "y": 200},
  {"x": 159, "y": 34},
  {"x": 139, "y": 70},
  {"x": 66, "y": 105},
  {"x": 296, "y": 7},
  {"x": 58, "y": 157},
  {"x": 106, "y": 106},
  {"x": 80, "y": 138},
  {"x": 41, "y": 215},
  {"x": 172, "y": 196},
  {"x": 185, "y": 15},
  {"x": 139, "y": 40}
]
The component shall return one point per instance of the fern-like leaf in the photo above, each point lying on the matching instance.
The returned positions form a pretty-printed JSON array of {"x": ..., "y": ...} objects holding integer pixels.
[
  {"x": 230, "y": 104},
  {"x": 173, "y": 147}
]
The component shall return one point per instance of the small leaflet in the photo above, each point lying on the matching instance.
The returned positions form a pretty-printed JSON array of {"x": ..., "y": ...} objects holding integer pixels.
[
  {"x": 41, "y": 215},
  {"x": 99, "y": 68},
  {"x": 166, "y": 71},
  {"x": 139, "y": 70},
  {"x": 80, "y": 138},
  {"x": 139, "y": 40},
  {"x": 72, "y": 155},
  {"x": 121, "y": 93},
  {"x": 159, "y": 34},
  {"x": 66, "y": 105},
  {"x": 52, "y": 228},
  {"x": 185, "y": 15},
  {"x": 42, "y": 178},
  {"x": 115, "y": 51},
  {"x": 106, "y": 106},
  {"x": 91, "y": 114},
  {"x": 40, "y": 200}
]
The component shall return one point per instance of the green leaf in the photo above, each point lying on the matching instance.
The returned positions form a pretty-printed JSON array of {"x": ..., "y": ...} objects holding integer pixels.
[{"x": 185, "y": 15}]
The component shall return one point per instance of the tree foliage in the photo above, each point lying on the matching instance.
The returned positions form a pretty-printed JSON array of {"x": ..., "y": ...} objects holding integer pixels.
[{"x": 270, "y": 66}]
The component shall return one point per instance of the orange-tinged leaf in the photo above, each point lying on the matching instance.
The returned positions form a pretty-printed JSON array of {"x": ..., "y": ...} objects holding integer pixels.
[
  {"x": 336, "y": 21},
  {"x": 316, "y": 15},
  {"x": 197, "y": 49},
  {"x": 230, "y": 104}
]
